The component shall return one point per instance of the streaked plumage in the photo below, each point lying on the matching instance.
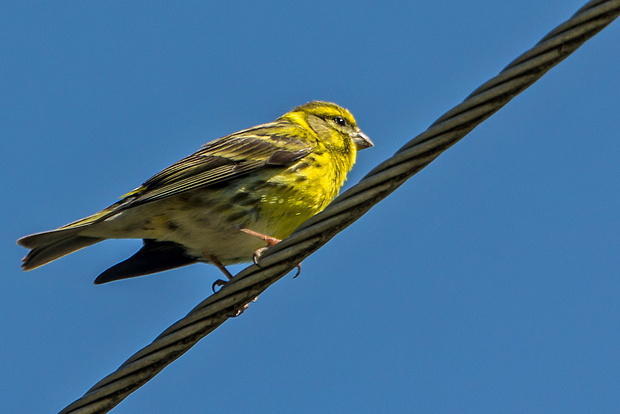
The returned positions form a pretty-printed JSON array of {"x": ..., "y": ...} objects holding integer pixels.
[{"x": 269, "y": 179}]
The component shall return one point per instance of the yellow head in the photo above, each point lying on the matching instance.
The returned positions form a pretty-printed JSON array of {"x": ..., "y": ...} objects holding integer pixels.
[{"x": 334, "y": 127}]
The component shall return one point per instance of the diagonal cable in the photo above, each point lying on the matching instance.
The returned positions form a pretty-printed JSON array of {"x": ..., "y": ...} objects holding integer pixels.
[{"x": 348, "y": 207}]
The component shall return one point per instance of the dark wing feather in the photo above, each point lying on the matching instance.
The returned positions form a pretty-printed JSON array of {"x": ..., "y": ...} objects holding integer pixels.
[
  {"x": 285, "y": 157},
  {"x": 153, "y": 257}
]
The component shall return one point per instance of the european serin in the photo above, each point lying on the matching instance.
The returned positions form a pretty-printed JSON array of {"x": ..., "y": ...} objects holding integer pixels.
[{"x": 224, "y": 202}]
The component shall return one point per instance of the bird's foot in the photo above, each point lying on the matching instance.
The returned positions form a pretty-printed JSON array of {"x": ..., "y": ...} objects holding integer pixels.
[
  {"x": 239, "y": 312},
  {"x": 271, "y": 241},
  {"x": 218, "y": 282},
  {"x": 219, "y": 265}
]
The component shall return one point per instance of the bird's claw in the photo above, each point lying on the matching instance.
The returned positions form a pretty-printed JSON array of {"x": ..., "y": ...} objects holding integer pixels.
[
  {"x": 218, "y": 282},
  {"x": 257, "y": 254},
  {"x": 238, "y": 312}
]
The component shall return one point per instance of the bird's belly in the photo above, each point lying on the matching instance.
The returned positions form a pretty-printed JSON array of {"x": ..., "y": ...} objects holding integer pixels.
[
  {"x": 228, "y": 246},
  {"x": 204, "y": 229},
  {"x": 208, "y": 228}
]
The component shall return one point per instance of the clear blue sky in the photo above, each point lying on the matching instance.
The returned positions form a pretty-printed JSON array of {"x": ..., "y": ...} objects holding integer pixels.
[{"x": 488, "y": 283}]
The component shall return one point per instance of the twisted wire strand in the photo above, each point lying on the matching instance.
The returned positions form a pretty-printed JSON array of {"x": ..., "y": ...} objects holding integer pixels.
[{"x": 348, "y": 207}]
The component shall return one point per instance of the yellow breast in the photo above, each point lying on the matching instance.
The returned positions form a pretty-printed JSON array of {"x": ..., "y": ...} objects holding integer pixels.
[{"x": 298, "y": 193}]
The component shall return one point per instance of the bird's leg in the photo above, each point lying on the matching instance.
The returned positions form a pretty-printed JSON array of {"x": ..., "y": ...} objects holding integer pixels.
[
  {"x": 271, "y": 241},
  {"x": 219, "y": 265}
]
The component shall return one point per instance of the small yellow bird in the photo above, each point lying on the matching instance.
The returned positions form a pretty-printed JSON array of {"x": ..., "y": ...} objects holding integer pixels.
[{"x": 224, "y": 203}]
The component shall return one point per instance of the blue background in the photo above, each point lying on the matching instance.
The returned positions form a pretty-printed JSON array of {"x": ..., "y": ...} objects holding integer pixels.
[{"x": 488, "y": 283}]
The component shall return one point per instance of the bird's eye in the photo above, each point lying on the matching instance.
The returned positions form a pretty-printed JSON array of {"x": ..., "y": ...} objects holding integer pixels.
[{"x": 340, "y": 121}]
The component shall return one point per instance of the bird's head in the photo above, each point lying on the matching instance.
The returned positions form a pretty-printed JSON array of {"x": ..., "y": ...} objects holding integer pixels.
[{"x": 334, "y": 126}]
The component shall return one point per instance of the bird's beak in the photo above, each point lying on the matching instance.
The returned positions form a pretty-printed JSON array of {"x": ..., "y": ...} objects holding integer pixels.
[{"x": 362, "y": 141}]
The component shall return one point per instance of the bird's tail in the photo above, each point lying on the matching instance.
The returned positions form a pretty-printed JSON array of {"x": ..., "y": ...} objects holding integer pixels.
[{"x": 54, "y": 244}]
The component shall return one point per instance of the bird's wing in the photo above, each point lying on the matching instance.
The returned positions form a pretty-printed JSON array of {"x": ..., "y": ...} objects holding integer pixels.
[
  {"x": 220, "y": 161},
  {"x": 153, "y": 257}
]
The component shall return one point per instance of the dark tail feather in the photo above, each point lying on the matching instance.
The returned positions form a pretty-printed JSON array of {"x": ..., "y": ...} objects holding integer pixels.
[
  {"x": 153, "y": 257},
  {"x": 52, "y": 245}
]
